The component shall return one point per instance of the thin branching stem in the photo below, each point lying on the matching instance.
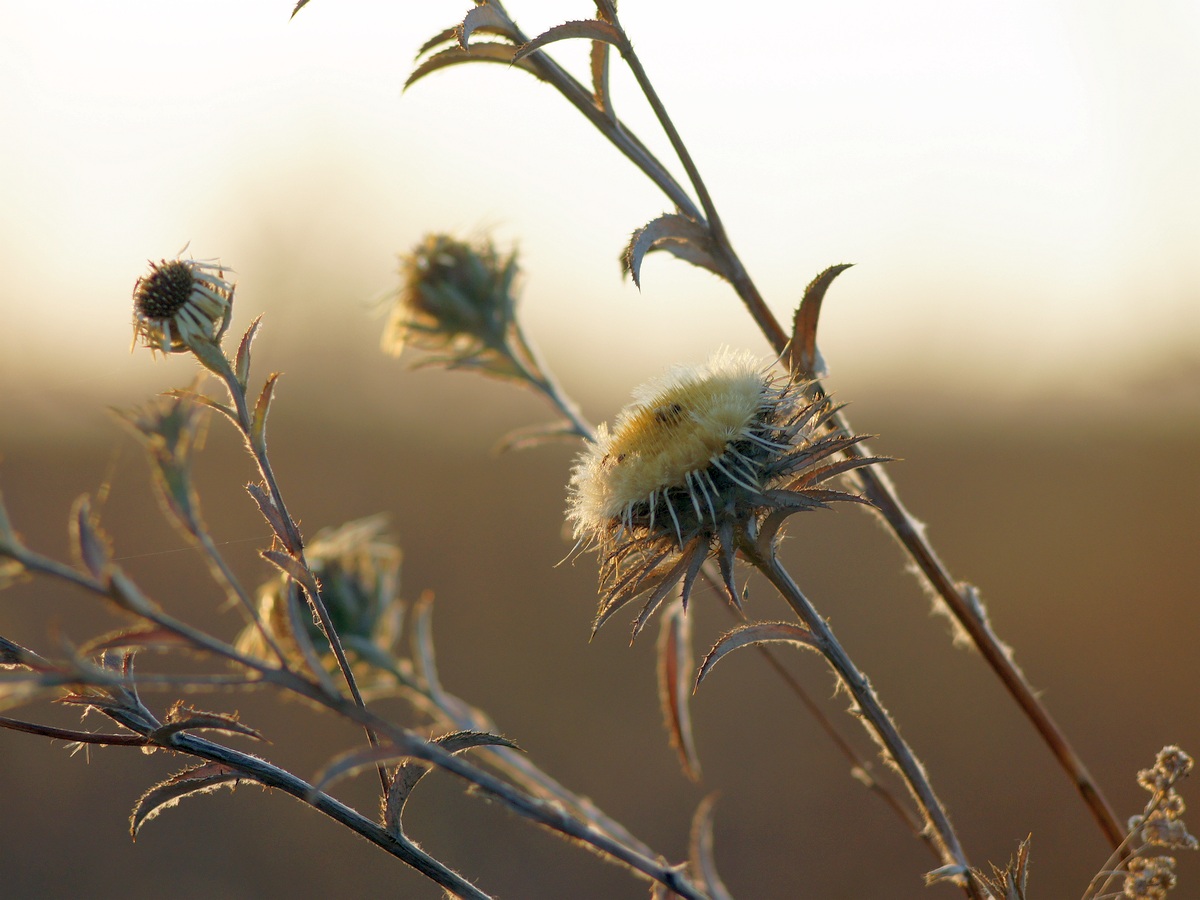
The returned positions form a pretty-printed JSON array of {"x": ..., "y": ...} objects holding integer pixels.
[
  {"x": 880, "y": 723},
  {"x": 607, "y": 837},
  {"x": 293, "y": 540},
  {"x": 876, "y": 486}
]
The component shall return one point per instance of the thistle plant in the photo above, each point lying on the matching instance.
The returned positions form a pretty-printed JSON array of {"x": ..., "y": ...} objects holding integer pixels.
[{"x": 696, "y": 482}]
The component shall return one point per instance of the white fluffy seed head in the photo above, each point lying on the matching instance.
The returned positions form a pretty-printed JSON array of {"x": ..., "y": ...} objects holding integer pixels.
[{"x": 679, "y": 428}]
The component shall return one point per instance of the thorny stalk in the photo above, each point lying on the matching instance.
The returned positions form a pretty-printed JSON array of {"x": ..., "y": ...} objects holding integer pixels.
[
  {"x": 880, "y": 723},
  {"x": 876, "y": 486},
  {"x": 555, "y": 815},
  {"x": 290, "y": 538}
]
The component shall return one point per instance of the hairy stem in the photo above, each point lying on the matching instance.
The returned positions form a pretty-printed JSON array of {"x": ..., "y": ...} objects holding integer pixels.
[{"x": 877, "y": 718}]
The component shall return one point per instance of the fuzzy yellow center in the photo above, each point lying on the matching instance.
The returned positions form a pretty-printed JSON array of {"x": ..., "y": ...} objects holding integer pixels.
[{"x": 657, "y": 444}]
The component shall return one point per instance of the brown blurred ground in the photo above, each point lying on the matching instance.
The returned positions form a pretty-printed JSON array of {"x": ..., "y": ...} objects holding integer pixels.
[{"x": 1079, "y": 523}]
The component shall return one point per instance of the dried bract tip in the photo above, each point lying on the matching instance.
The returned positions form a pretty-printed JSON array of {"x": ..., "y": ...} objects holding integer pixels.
[
  {"x": 358, "y": 569},
  {"x": 697, "y": 463},
  {"x": 181, "y": 303},
  {"x": 455, "y": 299}
]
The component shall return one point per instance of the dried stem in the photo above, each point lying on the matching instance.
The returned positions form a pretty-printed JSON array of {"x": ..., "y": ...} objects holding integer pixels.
[
  {"x": 879, "y": 722},
  {"x": 875, "y": 485}
]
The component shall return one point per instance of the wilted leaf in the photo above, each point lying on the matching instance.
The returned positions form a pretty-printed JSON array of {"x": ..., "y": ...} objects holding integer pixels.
[
  {"x": 755, "y": 633},
  {"x": 803, "y": 357},
  {"x": 674, "y": 674},
  {"x": 700, "y": 851},
  {"x": 685, "y": 238},
  {"x": 489, "y": 51},
  {"x": 592, "y": 29},
  {"x": 196, "y": 780}
]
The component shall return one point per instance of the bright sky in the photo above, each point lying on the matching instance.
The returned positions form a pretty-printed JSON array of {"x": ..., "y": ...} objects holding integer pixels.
[{"x": 1018, "y": 183}]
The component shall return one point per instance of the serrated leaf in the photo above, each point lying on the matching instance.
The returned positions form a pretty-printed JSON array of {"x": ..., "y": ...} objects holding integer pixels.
[
  {"x": 677, "y": 234},
  {"x": 288, "y": 564},
  {"x": 700, "y": 851},
  {"x": 409, "y": 774},
  {"x": 181, "y": 718},
  {"x": 488, "y": 51},
  {"x": 91, "y": 545},
  {"x": 674, "y": 673},
  {"x": 197, "y": 780},
  {"x": 484, "y": 18},
  {"x": 442, "y": 37},
  {"x": 803, "y": 357},
  {"x": 258, "y": 422},
  {"x": 354, "y": 761},
  {"x": 299, "y": 6},
  {"x": 591, "y": 29},
  {"x": 599, "y": 64},
  {"x": 267, "y": 507},
  {"x": 241, "y": 367},
  {"x": 755, "y": 633}
]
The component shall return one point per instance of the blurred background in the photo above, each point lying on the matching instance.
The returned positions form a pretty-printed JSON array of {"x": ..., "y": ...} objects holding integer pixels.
[{"x": 1019, "y": 187}]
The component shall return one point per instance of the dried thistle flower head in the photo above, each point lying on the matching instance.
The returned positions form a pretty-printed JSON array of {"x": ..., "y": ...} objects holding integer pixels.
[
  {"x": 697, "y": 463},
  {"x": 181, "y": 303},
  {"x": 456, "y": 301},
  {"x": 358, "y": 569}
]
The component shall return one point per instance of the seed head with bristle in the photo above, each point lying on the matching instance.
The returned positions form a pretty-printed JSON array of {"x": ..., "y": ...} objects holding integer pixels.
[
  {"x": 700, "y": 461},
  {"x": 181, "y": 302}
]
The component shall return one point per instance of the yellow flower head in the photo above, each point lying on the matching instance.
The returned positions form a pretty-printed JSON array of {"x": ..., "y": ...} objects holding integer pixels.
[{"x": 693, "y": 466}]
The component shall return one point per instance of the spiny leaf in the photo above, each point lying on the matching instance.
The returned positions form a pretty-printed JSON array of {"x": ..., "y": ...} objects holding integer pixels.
[
  {"x": 242, "y": 365},
  {"x": 489, "y": 51},
  {"x": 592, "y": 29},
  {"x": 482, "y": 18},
  {"x": 258, "y": 422},
  {"x": 700, "y": 851},
  {"x": 410, "y": 773},
  {"x": 600, "y": 93},
  {"x": 755, "y": 633},
  {"x": 685, "y": 238},
  {"x": 674, "y": 671},
  {"x": 267, "y": 507},
  {"x": 183, "y": 718},
  {"x": 803, "y": 357},
  {"x": 288, "y": 564},
  {"x": 370, "y": 757},
  {"x": 196, "y": 780}
]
